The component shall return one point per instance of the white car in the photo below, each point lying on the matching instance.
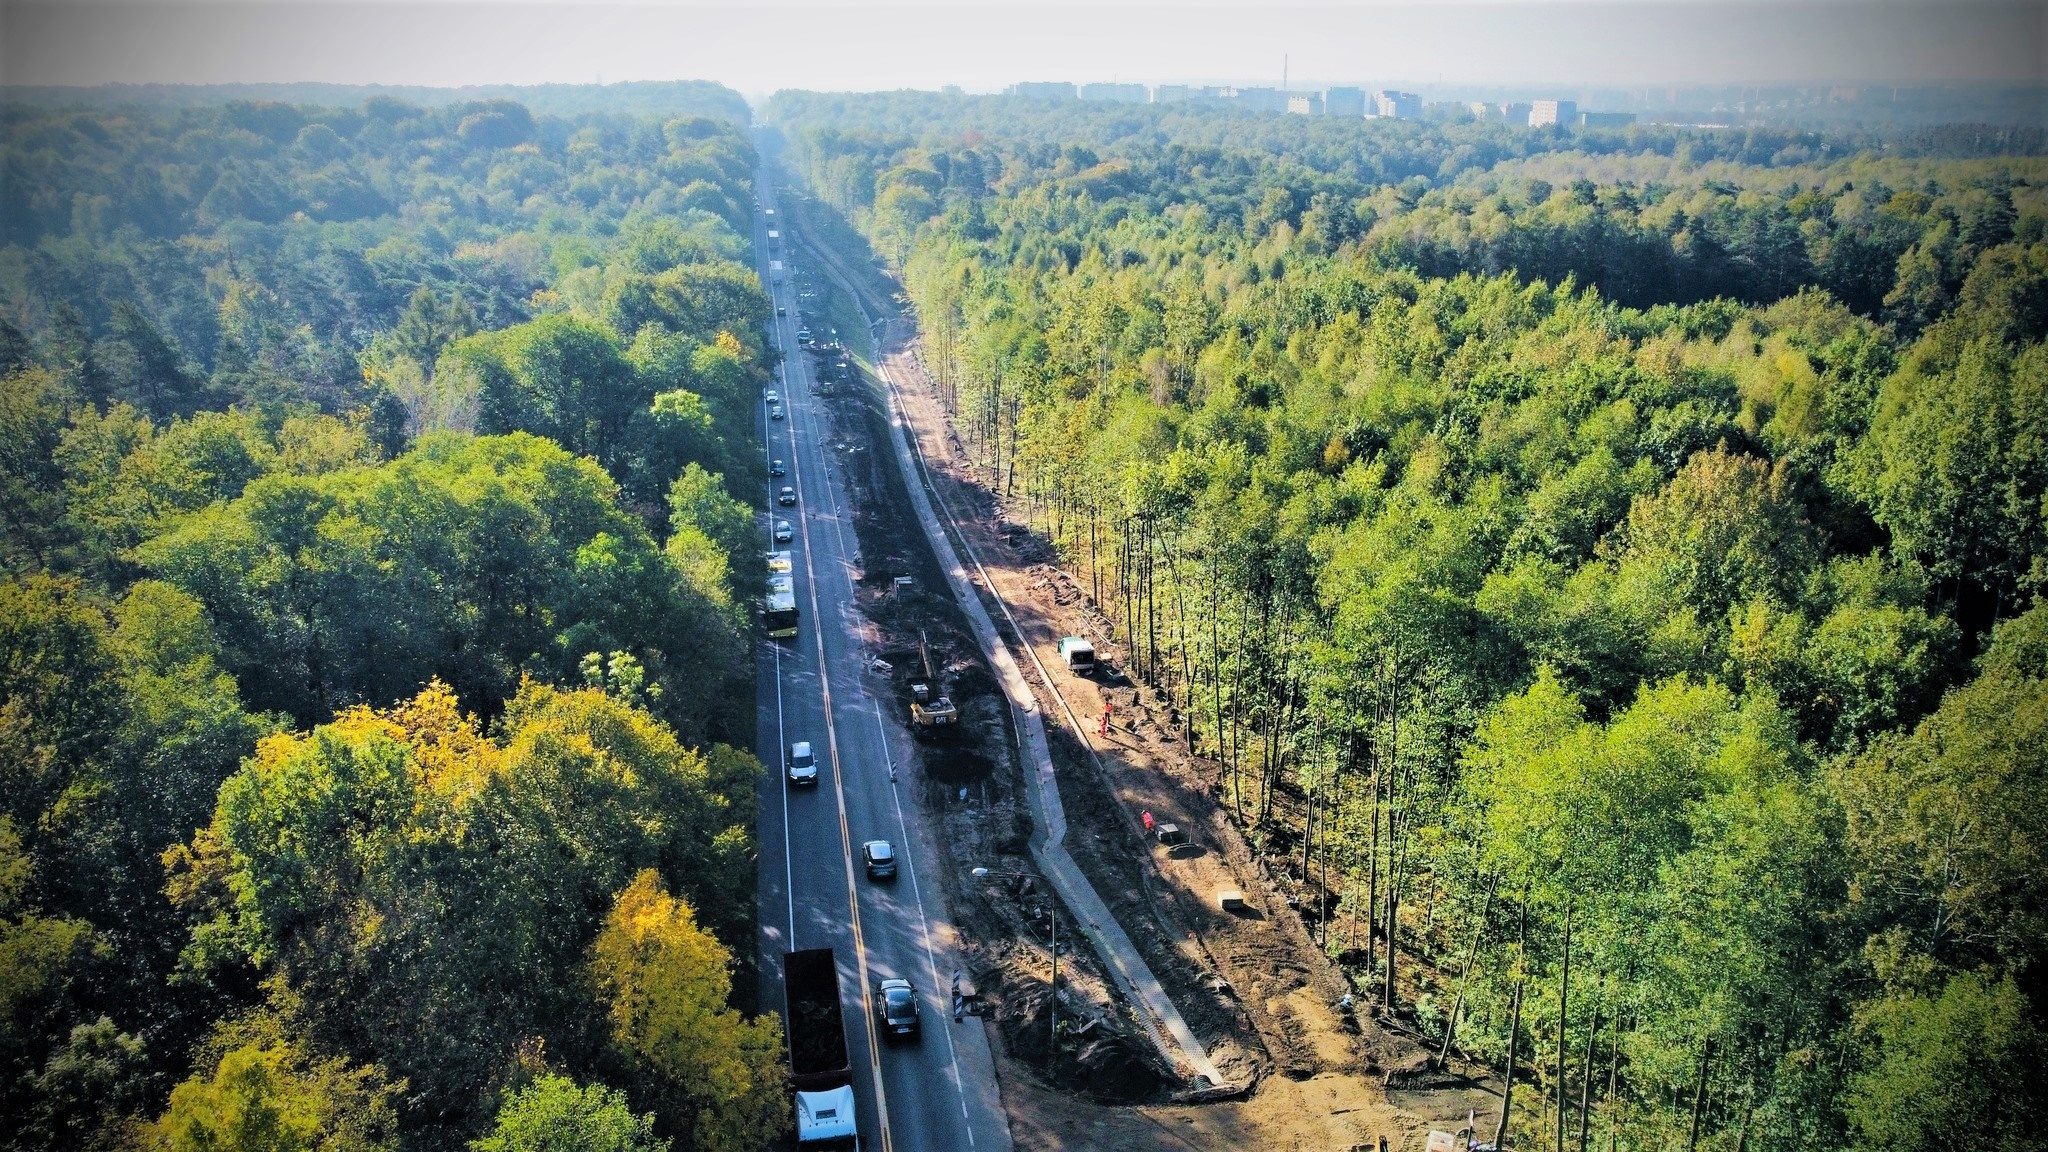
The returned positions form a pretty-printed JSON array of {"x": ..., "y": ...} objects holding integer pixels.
[
  {"x": 802, "y": 765},
  {"x": 783, "y": 532},
  {"x": 774, "y": 397}
]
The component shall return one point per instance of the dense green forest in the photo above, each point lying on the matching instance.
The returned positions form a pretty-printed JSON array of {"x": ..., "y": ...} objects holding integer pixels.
[
  {"x": 1604, "y": 567},
  {"x": 370, "y": 650}
]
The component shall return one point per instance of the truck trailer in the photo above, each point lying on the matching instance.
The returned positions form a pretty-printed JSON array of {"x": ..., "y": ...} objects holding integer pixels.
[{"x": 819, "y": 1067}]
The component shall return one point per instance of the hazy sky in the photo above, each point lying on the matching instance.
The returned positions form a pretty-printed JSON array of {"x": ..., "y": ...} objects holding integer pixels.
[{"x": 985, "y": 44}]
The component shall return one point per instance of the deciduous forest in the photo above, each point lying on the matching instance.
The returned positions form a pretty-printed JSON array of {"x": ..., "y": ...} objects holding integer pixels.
[
  {"x": 1604, "y": 566},
  {"x": 371, "y": 657}
]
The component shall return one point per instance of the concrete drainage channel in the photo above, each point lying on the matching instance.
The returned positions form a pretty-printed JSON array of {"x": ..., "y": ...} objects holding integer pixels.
[{"x": 1168, "y": 1031}]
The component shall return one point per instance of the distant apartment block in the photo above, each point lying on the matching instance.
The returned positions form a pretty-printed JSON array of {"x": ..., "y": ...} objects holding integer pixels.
[
  {"x": 1499, "y": 113},
  {"x": 1181, "y": 94},
  {"x": 1115, "y": 93},
  {"x": 1546, "y": 112},
  {"x": 1344, "y": 102},
  {"x": 1305, "y": 103},
  {"x": 1396, "y": 105},
  {"x": 1042, "y": 90},
  {"x": 1606, "y": 119},
  {"x": 1257, "y": 99}
]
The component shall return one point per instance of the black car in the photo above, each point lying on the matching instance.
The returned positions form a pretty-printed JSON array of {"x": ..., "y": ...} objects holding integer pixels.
[
  {"x": 777, "y": 468},
  {"x": 786, "y": 497},
  {"x": 896, "y": 1009},
  {"x": 880, "y": 858}
]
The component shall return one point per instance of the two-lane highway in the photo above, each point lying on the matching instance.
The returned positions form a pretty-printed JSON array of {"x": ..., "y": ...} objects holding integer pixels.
[{"x": 938, "y": 1092}]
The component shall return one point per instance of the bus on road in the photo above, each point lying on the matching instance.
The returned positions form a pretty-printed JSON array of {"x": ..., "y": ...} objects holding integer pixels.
[{"x": 778, "y": 607}]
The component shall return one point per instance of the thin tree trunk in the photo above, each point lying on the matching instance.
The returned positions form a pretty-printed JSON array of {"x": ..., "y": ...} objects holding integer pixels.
[
  {"x": 1507, "y": 1087},
  {"x": 1394, "y": 828},
  {"x": 1586, "y": 1081},
  {"x": 1614, "y": 1100},
  {"x": 1699, "y": 1098},
  {"x": 1372, "y": 856},
  {"x": 1564, "y": 992},
  {"x": 1465, "y": 975}
]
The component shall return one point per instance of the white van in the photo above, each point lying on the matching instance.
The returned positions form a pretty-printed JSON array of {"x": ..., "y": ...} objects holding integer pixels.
[{"x": 1078, "y": 655}]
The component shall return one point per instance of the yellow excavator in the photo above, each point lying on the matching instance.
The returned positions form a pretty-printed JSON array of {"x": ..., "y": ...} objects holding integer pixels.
[{"x": 930, "y": 711}]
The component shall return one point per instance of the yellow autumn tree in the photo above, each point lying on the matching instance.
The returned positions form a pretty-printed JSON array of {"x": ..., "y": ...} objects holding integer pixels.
[
  {"x": 666, "y": 982},
  {"x": 272, "y": 1098}
]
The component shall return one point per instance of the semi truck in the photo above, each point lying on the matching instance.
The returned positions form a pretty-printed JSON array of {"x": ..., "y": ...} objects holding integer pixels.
[{"x": 819, "y": 1067}]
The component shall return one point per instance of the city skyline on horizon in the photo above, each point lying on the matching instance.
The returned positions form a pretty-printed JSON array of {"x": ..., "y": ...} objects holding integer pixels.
[{"x": 985, "y": 47}]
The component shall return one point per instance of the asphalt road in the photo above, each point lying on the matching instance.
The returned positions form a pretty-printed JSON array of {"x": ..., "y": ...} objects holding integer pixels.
[{"x": 937, "y": 1093}]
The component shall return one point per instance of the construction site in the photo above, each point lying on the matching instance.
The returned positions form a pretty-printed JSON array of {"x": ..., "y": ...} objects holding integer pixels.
[{"x": 1295, "y": 1062}]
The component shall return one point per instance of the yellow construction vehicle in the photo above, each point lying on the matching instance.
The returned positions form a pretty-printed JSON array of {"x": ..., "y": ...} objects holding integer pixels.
[{"x": 930, "y": 710}]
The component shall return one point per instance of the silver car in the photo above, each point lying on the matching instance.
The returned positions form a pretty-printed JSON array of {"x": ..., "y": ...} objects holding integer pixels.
[
  {"x": 783, "y": 532},
  {"x": 880, "y": 858},
  {"x": 801, "y": 766}
]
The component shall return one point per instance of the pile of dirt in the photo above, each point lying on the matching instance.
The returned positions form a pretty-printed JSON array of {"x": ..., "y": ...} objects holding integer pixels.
[{"x": 1096, "y": 1057}]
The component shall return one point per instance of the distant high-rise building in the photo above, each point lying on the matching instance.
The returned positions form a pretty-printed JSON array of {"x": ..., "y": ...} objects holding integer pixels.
[
  {"x": 1181, "y": 94},
  {"x": 1305, "y": 103},
  {"x": 1115, "y": 93},
  {"x": 1344, "y": 102},
  {"x": 1514, "y": 113},
  {"x": 1390, "y": 104},
  {"x": 1606, "y": 119},
  {"x": 1257, "y": 99},
  {"x": 1042, "y": 90},
  {"x": 1546, "y": 112}
]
